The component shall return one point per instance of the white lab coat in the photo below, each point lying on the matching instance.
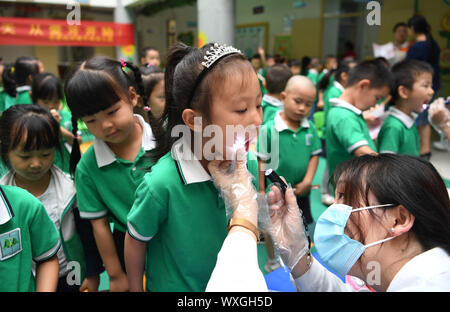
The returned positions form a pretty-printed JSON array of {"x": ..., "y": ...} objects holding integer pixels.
[{"x": 429, "y": 271}]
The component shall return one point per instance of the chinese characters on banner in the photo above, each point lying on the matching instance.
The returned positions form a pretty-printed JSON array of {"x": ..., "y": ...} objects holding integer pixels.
[{"x": 31, "y": 31}]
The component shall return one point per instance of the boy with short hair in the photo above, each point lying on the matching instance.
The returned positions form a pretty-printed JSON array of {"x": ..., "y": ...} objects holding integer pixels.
[
  {"x": 347, "y": 134},
  {"x": 276, "y": 79},
  {"x": 413, "y": 89}
]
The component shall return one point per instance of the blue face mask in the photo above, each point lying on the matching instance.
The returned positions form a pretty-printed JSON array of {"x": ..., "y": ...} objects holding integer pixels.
[{"x": 336, "y": 250}]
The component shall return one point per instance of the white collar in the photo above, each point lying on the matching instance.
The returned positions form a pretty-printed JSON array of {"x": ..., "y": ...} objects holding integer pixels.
[
  {"x": 271, "y": 100},
  {"x": 106, "y": 156},
  {"x": 280, "y": 125},
  {"x": 23, "y": 88},
  {"x": 6, "y": 212},
  {"x": 336, "y": 102},
  {"x": 313, "y": 70},
  {"x": 427, "y": 268},
  {"x": 189, "y": 167},
  {"x": 407, "y": 120},
  {"x": 339, "y": 86}
]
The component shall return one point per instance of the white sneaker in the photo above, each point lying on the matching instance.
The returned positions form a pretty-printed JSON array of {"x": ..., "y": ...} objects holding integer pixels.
[{"x": 327, "y": 199}]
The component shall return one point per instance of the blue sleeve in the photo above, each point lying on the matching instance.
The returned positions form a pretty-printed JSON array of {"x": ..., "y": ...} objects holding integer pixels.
[{"x": 418, "y": 51}]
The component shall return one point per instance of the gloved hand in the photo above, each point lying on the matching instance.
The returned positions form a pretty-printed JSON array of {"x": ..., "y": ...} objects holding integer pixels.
[
  {"x": 235, "y": 185},
  {"x": 286, "y": 228},
  {"x": 438, "y": 114}
]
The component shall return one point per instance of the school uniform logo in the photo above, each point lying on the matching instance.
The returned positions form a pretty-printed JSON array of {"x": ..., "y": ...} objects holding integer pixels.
[
  {"x": 10, "y": 244},
  {"x": 309, "y": 139}
]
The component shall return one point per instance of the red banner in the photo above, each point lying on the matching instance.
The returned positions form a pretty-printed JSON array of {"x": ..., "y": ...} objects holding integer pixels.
[{"x": 47, "y": 32}]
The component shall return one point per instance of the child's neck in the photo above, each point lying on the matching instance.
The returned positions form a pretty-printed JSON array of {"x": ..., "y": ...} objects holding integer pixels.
[
  {"x": 130, "y": 147},
  {"x": 348, "y": 97},
  {"x": 37, "y": 188},
  {"x": 275, "y": 95},
  {"x": 292, "y": 124},
  {"x": 402, "y": 105}
]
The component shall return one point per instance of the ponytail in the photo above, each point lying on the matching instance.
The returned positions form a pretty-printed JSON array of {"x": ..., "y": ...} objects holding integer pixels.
[
  {"x": 75, "y": 155},
  {"x": 173, "y": 110},
  {"x": 323, "y": 84},
  {"x": 9, "y": 80}
]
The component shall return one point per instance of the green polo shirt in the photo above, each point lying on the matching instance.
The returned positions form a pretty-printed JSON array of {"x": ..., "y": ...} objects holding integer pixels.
[
  {"x": 346, "y": 131},
  {"x": 399, "y": 134},
  {"x": 22, "y": 97},
  {"x": 26, "y": 233},
  {"x": 62, "y": 159},
  {"x": 179, "y": 213},
  {"x": 270, "y": 106},
  {"x": 106, "y": 184},
  {"x": 335, "y": 90},
  {"x": 293, "y": 149}
]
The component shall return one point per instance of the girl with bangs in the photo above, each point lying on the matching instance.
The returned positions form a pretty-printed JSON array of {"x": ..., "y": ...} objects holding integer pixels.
[
  {"x": 103, "y": 93},
  {"x": 29, "y": 139},
  {"x": 178, "y": 221}
]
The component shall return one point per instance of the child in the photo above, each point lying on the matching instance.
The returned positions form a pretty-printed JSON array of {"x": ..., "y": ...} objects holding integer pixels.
[
  {"x": 153, "y": 81},
  {"x": 150, "y": 56},
  {"x": 333, "y": 85},
  {"x": 413, "y": 89},
  {"x": 17, "y": 80},
  {"x": 26, "y": 234},
  {"x": 297, "y": 136},
  {"x": 347, "y": 134},
  {"x": 276, "y": 79},
  {"x": 29, "y": 139},
  {"x": 47, "y": 92},
  {"x": 103, "y": 95},
  {"x": 178, "y": 222},
  {"x": 295, "y": 66}
]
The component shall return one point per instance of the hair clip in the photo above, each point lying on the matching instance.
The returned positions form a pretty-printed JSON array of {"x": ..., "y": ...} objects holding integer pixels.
[
  {"x": 147, "y": 108},
  {"x": 13, "y": 69},
  {"x": 124, "y": 65},
  {"x": 216, "y": 52},
  {"x": 149, "y": 65}
]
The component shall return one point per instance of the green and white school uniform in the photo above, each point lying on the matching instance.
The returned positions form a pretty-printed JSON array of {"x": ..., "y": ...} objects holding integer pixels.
[
  {"x": 62, "y": 159},
  {"x": 26, "y": 233},
  {"x": 270, "y": 106},
  {"x": 334, "y": 91},
  {"x": 313, "y": 75},
  {"x": 346, "y": 131},
  {"x": 22, "y": 97},
  {"x": 399, "y": 134},
  {"x": 106, "y": 184},
  {"x": 59, "y": 201},
  {"x": 181, "y": 215},
  {"x": 295, "y": 148}
]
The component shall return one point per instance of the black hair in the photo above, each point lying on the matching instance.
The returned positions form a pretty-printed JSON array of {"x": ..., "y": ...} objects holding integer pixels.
[
  {"x": 34, "y": 122},
  {"x": 183, "y": 90},
  {"x": 400, "y": 180},
  {"x": 17, "y": 74},
  {"x": 46, "y": 86},
  {"x": 95, "y": 85},
  {"x": 376, "y": 72},
  {"x": 400, "y": 24},
  {"x": 343, "y": 67},
  {"x": 405, "y": 74},
  {"x": 294, "y": 62},
  {"x": 420, "y": 26},
  {"x": 277, "y": 77},
  {"x": 151, "y": 76},
  {"x": 306, "y": 61},
  {"x": 256, "y": 56}
]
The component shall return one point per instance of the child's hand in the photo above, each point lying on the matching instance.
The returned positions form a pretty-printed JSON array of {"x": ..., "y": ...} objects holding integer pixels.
[
  {"x": 118, "y": 283},
  {"x": 56, "y": 115},
  {"x": 302, "y": 188},
  {"x": 90, "y": 283},
  {"x": 320, "y": 104}
]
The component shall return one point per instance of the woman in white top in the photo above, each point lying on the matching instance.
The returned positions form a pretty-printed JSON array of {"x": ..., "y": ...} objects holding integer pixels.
[{"x": 398, "y": 239}]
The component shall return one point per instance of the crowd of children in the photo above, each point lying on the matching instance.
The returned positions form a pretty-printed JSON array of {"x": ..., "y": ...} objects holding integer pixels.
[{"x": 133, "y": 204}]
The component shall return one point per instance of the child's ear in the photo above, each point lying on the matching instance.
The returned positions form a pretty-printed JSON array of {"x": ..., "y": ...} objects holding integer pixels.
[
  {"x": 364, "y": 83},
  {"x": 283, "y": 95},
  {"x": 188, "y": 117},
  {"x": 344, "y": 78},
  {"x": 403, "y": 92},
  {"x": 133, "y": 96}
]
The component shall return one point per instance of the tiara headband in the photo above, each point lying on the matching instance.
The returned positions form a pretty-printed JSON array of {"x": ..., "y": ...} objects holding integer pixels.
[{"x": 212, "y": 57}]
